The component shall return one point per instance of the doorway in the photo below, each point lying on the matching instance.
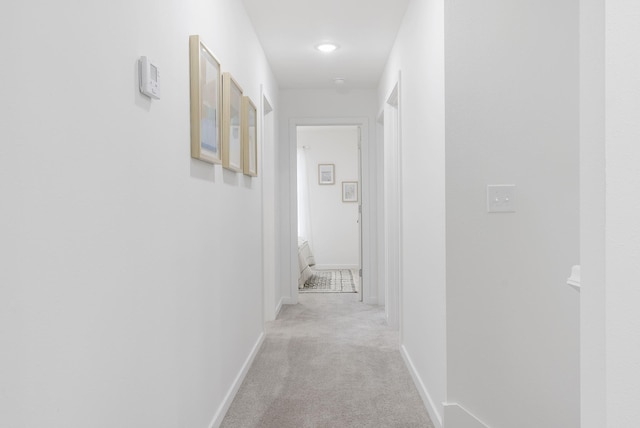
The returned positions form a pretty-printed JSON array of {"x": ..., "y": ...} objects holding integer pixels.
[
  {"x": 355, "y": 195},
  {"x": 328, "y": 202}
]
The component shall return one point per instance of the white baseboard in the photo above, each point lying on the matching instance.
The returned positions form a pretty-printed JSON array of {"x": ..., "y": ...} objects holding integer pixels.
[
  {"x": 323, "y": 267},
  {"x": 435, "y": 416},
  {"x": 371, "y": 300},
  {"x": 228, "y": 399},
  {"x": 279, "y": 308},
  {"x": 286, "y": 301},
  {"x": 456, "y": 416}
]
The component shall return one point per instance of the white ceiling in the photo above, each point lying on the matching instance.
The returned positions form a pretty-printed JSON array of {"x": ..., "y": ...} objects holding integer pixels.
[{"x": 289, "y": 30}]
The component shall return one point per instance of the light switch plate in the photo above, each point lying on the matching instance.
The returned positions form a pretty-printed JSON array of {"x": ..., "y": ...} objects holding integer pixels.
[{"x": 501, "y": 198}]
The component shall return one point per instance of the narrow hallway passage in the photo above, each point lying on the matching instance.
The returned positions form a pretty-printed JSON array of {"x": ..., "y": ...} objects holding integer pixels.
[{"x": 329, "y": 361}]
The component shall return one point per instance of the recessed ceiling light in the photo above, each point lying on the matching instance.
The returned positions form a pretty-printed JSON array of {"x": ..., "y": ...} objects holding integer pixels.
[
  {"x": 327, "y": 47},
  {"x": 339, "y": 81}
]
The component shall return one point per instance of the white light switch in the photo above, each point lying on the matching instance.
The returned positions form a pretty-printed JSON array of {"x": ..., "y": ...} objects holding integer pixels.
[{"x": 501, "y": 198}]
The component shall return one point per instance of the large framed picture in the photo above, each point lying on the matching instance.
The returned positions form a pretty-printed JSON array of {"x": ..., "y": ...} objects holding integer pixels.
[
  {"x": 349, "y": 191},
  {"x": 231, "y": 124},
  {"x": 326, "y": 173},
  {"x": 250, "y": 137},
  {"x": 205, "y": 85}
]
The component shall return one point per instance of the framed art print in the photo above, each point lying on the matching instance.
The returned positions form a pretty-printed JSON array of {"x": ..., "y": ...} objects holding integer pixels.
[
  {"x": 349, "y": 191},
  {"x": 326, "y": 173},
  {"x": 205, "y": 95},
  {"x": 231, "y": 124},
  {"x": 249, "y": 137}
]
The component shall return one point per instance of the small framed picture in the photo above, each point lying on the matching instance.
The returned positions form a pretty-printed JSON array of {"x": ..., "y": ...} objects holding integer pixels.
[
  {"x": 349, "y": 191},
  {"x": 231, "y": 124},
  {"x": 249, "y": 137},
  {"x": 205, "y": 96},
  {"x": 326, "y": 172}
]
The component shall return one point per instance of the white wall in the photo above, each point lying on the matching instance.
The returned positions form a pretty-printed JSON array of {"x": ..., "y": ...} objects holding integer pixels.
[
  {"x": 512, "y": 118},
  {"x": 130, "y": 284},
  {"x": 335, "y": 237},
  {"x": 622, "y": 231},
  {"x": 510, "y": 346},
  {"x": 418, "y": 53},
  {"x": 321, "y": 107}
]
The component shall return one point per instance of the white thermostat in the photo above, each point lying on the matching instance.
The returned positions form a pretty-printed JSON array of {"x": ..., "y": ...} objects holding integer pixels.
[{"x": 149, "y": 78}]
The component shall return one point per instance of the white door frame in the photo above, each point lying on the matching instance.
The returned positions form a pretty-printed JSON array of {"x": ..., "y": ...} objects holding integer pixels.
[
  {"x": 392, "y": 197},
  {"x": 269, "y": 183},
  {"x": 380, "y": 219},
  {"x": 365, "y": 263}
]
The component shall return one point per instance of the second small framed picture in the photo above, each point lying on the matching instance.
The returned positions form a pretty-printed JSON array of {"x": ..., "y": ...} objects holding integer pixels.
[
  {"x": 326, "y": 173},
  {"x": 349, "y": 191},
  {"x": 231, "y": 124}
]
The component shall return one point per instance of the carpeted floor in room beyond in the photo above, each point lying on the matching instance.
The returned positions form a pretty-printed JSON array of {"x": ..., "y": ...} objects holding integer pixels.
[{"x": 328, "y": 362}]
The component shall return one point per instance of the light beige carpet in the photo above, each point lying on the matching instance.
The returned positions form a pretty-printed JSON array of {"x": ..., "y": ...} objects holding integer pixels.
[{"x": 328, "y": 362}]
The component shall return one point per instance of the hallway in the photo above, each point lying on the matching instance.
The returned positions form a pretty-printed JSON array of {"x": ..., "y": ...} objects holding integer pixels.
[
  {"x": 498, "y": 151},
  {"x": 329, "y": 361}
]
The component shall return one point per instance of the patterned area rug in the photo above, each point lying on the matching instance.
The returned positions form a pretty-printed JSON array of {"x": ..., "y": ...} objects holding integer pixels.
[{"x": 330, "y": 281}]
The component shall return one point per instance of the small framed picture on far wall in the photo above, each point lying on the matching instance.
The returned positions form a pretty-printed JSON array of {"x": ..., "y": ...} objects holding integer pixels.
[
  {"x": 349, "y": 191},
  {"x": 326, "y": 173}
]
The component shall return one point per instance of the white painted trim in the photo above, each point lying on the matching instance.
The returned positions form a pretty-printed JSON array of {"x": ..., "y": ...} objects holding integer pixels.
[
  {"x": 463, "y": 417},
  {"x": 268, "y": 215},
  {"x": 228, "y": 399},
  {"x": 593, "y": 218},
  {"x": 352, "y": 267},
  {"x": 435, "y": 416},
  {"x": 367, "y": 209},
  {"x": 279, "y": 307},
  {"x": 392, "y": 207},
  {"x": 400, "y": 212},
  {"x": 287, "y": 301},
  {"x": 379, "y": 226},
  {"x": 371, "y": 300},
  {"x": 293, "y": 212}
]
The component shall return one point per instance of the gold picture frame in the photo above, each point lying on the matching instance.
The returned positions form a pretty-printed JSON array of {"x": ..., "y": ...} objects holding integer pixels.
[
  {"x": 205, "y": 92},
  {"x": 249, "y": 137},
  {"x": 232, "y": 158}
]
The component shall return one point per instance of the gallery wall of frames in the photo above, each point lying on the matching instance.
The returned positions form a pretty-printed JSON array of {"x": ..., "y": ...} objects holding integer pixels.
[{"x": 223, "y": 120}]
